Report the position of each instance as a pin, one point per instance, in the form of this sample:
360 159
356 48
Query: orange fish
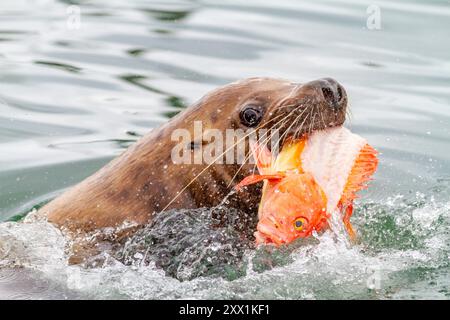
294 206
309 180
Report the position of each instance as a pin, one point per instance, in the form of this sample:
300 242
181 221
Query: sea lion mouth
314 106
298 126
297 133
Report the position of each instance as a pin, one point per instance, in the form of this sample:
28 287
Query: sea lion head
291 108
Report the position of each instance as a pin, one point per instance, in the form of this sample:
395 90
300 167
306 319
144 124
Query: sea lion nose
331 92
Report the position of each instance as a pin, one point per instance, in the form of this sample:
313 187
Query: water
73 98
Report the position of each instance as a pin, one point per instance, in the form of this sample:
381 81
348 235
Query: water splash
403 252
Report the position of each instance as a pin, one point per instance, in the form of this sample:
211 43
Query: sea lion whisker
323 120
301 125
300 128
292 124
271 136
249 154
266 138
273 131
279 138
275 118
206 168
218 157
349 115
287 106
312 123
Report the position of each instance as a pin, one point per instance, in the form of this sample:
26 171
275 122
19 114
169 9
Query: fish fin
351 232
255 178
262 156
364 167
348 226
260 238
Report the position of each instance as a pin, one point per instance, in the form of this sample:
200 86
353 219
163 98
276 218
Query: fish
309 180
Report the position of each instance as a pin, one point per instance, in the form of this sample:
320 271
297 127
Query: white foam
320 270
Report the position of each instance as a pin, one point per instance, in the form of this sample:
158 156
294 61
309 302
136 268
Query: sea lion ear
263 157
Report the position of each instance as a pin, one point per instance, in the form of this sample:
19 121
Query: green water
73 98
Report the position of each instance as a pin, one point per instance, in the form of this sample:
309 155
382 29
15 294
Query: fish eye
299 224
251 115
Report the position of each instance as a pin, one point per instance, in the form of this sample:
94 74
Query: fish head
293 208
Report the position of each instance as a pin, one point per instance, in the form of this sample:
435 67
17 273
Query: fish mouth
267 233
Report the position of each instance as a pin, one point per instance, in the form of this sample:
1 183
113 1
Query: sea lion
144 180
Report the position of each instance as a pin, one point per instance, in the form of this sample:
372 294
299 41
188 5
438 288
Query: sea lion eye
299 224
251 116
